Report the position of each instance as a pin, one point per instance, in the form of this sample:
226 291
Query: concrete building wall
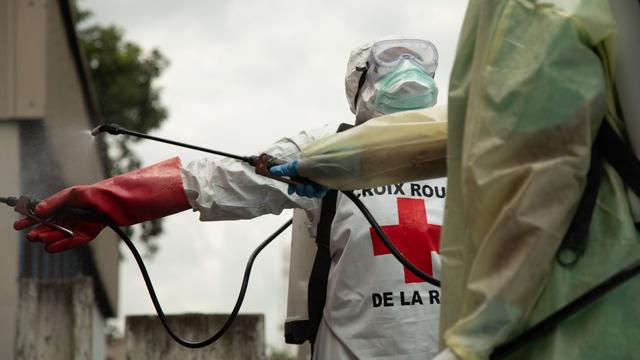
115 349
146 338
22 67
9 184
55 318
98 337
7 59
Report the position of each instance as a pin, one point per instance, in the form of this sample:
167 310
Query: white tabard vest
375 308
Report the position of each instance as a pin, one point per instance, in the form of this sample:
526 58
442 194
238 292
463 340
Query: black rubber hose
248 267
152 292
245 280
419 273
115 129
10 200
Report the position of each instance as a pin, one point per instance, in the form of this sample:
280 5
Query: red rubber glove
144 194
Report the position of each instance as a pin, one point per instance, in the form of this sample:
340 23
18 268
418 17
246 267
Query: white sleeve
228 189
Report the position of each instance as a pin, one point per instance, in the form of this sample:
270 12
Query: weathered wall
9 185
115 349
146 338
22 58
55 319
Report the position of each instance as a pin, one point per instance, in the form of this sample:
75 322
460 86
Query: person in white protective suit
537 91
374 307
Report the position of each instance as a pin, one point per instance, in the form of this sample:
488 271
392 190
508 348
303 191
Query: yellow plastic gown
531 85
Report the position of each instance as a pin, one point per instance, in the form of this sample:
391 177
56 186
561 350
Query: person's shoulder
436 113
304 137
324 130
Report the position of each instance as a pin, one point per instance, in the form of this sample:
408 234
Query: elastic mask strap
363 77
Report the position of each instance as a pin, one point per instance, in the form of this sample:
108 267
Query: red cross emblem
413 236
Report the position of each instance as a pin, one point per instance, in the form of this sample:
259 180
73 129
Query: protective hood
364 110
364 104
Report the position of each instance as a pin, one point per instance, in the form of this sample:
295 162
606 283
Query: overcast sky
242 75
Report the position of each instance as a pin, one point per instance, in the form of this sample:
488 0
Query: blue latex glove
290 169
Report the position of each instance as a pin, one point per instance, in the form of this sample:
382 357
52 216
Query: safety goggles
387 55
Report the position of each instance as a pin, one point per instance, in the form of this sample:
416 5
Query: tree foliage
123 78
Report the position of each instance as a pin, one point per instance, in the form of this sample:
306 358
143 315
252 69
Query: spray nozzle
13 201
112 129
262 163
10 200
25 205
